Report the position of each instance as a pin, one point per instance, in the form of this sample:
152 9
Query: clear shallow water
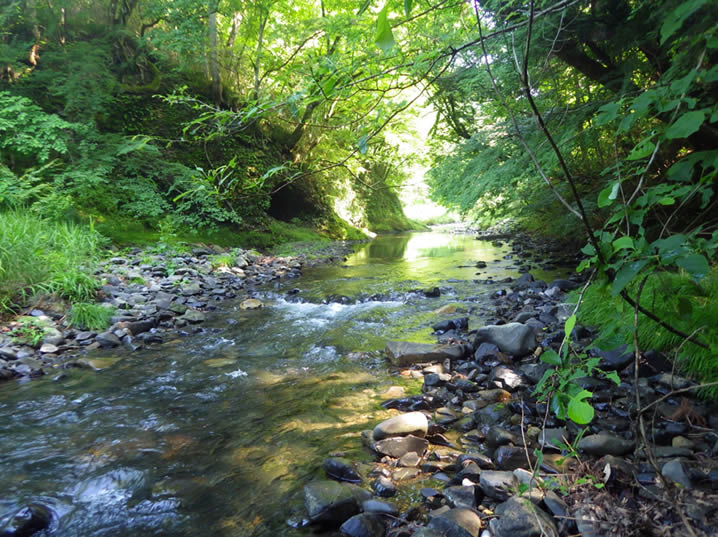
216 433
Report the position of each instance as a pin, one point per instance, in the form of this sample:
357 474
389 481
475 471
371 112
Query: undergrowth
38 255
693 306
87 316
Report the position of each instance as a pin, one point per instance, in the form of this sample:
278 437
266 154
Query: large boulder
402 425
512 338
403 353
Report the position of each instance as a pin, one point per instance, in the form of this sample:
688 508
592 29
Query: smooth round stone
414 423
48 348
99 363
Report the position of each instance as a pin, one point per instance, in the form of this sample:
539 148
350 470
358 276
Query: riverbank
147 295
477 453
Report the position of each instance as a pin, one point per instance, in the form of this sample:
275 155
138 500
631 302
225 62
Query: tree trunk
263 17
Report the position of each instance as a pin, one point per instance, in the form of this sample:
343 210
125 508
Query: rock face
27 521
402 425
403 353
513 338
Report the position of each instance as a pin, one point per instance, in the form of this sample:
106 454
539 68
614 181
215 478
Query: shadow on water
217 433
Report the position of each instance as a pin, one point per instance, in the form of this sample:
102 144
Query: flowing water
216 433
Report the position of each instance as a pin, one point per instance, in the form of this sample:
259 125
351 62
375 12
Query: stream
216 433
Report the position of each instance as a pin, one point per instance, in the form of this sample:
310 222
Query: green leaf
642 150
613 376
551 357
695 264
666 200
579 411
408 4
363 146
384 36
686 125
675 19
623 243
626 273
604 197
364 7
569 325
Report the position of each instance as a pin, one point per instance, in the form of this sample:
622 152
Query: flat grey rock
403 353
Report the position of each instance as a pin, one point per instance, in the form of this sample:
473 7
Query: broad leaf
384 36
695 264
642 150
623 243
613 376
579 411
625 274
550 357
675 19
686 125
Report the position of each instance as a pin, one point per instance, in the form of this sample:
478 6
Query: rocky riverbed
152 295
476 454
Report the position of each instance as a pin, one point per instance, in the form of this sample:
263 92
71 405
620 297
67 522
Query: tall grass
38 255
675 298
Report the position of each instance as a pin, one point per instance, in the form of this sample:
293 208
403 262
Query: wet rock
518 517
251 304
453 324
398 446
330 503
606 444
433 292
340 470
405 474
414 423
497 484
108 340
383 487
48 348
193 316
27 521
403 353
363 525
675 472
456 522
513 338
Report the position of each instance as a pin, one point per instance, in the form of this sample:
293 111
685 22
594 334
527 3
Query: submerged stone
403 353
